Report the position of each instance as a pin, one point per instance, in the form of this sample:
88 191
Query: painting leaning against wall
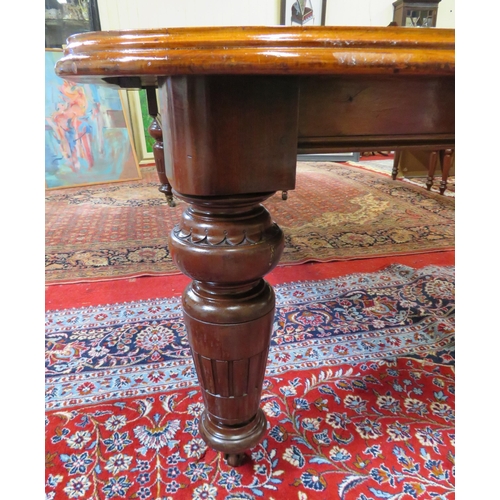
87 140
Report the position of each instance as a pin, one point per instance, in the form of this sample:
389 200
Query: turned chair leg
446 157
431 170
156 133
395 165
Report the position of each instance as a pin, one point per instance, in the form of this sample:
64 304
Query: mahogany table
237 105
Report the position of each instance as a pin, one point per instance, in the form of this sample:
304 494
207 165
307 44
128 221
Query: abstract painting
87 140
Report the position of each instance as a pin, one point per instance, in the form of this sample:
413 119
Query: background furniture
416 14
420 163
420 14
68 18
237 105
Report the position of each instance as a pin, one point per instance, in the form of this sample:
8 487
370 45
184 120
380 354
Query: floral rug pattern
359 397
336 212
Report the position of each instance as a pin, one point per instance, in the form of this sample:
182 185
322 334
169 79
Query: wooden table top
136 57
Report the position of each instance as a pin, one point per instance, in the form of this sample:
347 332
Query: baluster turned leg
446 157
156 133
431 170
220 163
226 245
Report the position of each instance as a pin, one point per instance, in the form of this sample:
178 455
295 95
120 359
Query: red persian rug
359 397
335 213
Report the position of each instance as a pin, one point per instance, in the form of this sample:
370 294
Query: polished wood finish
134 58
229 134
349 113
226 244
237 105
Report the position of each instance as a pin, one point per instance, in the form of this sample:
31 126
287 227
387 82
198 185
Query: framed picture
303 12
87 134
140 121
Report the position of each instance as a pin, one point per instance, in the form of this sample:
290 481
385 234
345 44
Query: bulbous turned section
226 245
155 131
226 240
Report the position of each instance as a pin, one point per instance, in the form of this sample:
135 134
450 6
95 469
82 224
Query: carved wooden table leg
432 169
156 133
219 162
446 156
226 245
236 106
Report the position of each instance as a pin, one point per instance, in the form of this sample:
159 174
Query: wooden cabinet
421 14
63 19
425 163
415 163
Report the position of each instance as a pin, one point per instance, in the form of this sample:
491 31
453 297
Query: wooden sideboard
425 163
237 106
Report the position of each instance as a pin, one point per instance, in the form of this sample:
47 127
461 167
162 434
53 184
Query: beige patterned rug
336 212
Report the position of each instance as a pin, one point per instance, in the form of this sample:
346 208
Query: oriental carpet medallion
359 397
336 212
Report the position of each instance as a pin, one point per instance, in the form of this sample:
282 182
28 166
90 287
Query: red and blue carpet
359 396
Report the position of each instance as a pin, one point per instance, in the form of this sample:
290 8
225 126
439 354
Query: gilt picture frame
140 122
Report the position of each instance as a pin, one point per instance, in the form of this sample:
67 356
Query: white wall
358 12
446 14
378 13
130 14
125 14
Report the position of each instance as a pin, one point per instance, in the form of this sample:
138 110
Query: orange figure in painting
71 127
